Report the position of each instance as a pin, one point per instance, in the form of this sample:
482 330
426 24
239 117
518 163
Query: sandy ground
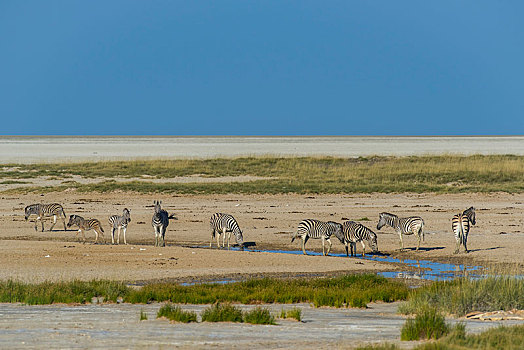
267 220
118 326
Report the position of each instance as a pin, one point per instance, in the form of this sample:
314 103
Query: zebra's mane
389 214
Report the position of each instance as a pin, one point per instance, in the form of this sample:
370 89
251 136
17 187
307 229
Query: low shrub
429 324
222 313
259 315
175 313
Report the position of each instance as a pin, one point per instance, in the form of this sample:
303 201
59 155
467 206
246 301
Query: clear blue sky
262 67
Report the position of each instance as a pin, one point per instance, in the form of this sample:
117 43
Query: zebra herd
348 233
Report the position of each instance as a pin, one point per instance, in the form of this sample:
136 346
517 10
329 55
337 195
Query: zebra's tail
63 213
294 236
172 217
422 229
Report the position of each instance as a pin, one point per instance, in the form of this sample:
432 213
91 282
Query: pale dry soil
268 221
119 327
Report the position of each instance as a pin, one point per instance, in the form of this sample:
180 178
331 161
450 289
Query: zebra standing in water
86 225
119 222
403 226
352 233
460 224
160 222
46 210
225 224
316 229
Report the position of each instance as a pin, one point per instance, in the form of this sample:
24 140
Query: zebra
119 222
403 226
160 222
225 224
460 224
86 225
352 233
45 210
310 228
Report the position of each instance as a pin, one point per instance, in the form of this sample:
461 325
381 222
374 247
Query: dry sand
267 220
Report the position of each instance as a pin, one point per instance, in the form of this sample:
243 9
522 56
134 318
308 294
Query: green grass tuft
259 315
294 313
428 324
222 313
175 313
143 316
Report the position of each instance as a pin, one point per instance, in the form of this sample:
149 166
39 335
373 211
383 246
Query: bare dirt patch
268 221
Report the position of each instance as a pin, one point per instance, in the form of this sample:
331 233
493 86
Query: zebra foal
460 224
160 221
119 222
225 224
403 226
352 233
86 225
45 210
316 229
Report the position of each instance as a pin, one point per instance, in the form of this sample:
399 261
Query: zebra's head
470 212
73 220
157 206
339 232
381 220
127 215
240 238
30 209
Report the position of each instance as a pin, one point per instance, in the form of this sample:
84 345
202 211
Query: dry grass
440 174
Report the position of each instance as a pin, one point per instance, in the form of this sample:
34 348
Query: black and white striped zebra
352 233
46 210
119 222
86 225
460 224
316 229
160 221
403 226
225 224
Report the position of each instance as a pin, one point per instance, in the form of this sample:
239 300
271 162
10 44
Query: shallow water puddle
419 269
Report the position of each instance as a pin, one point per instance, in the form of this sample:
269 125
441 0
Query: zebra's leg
228 239
419 234
163 236
347 251
125 242
224 233
96 236
401 241
42 222
63 221
113 235
363 248
118 237
304 240
36 223
211 240
353 248
54 223
329 248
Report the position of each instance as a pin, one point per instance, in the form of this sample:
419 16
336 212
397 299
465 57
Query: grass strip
222 313
342 291
464 295
439 174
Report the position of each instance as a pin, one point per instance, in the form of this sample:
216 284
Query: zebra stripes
352 233
160 221
86 225
460 224
225 224
316 229
46 210
119 222
403 226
